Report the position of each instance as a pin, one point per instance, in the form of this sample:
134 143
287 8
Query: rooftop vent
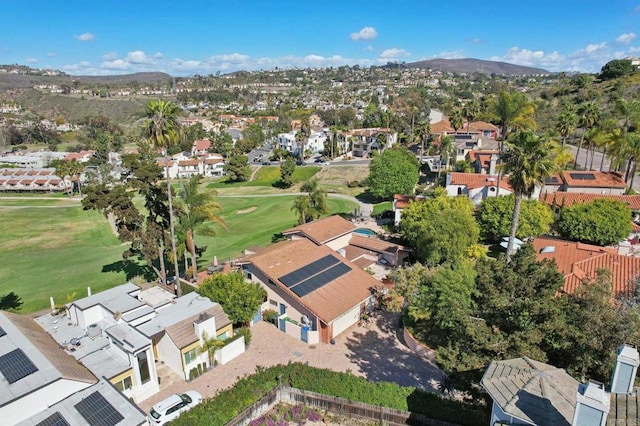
548 249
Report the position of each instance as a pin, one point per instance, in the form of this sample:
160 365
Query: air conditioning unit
93 331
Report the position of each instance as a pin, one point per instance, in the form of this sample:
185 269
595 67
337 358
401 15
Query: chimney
624 372
493 160
592 404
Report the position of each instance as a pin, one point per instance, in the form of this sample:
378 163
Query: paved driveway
376 352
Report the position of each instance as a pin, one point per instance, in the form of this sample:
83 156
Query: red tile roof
322 230
595 179
577 261
443 126
402 201
483 157
213 161
374 244
476 180
570 198
188 163
483 126
202 145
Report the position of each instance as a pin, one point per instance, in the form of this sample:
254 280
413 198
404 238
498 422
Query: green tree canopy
600 222
237 168
495 214
395 171
286 172
239 298
616 68
439 229
312 205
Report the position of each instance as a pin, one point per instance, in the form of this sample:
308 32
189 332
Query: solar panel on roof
2 332
15 365
97 411
301 274
582 176
320 280
55 419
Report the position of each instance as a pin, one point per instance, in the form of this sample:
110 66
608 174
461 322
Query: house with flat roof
119 334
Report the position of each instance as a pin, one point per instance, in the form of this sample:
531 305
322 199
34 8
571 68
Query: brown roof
577 261
188 162
12 181
67 365
475 180
483 157
483 126
597 179
443 126
328 302
402 201
183 333
213 161
162 163
202 144
570 198
322 230
374 244
41 181
32 172
26 181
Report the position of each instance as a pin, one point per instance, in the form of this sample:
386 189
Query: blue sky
94 37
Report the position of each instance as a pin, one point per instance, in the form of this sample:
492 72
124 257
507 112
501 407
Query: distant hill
10 81
470 66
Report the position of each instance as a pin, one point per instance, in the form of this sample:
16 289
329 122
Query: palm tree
312 205
470 111
209 346
512 111
162 130
567 121
456 119
200 211
445 147
422 131
528 161
588 117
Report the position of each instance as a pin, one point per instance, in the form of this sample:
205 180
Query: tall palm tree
422 131
470 111
445 147
512 111
163 130
567 121
456 119
528 161
200 211
589 115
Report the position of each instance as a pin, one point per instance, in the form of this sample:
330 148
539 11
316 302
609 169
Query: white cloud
84 37
138 57
31 60
626 38
314 58
52 54
116 64
366 33
109 56
369 48
393 54
451 54
475 40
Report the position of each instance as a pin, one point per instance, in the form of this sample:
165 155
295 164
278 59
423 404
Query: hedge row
231 402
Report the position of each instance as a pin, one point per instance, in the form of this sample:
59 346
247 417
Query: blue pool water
365 231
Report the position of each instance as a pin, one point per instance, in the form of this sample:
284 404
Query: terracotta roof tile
577 261
476 180
593 179
202 144
570 198
188 163
374 244
483 126
402 201
483 157
443 126
322 230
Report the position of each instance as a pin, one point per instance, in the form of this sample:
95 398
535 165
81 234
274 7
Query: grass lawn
254 221
382 207
53 248
268 176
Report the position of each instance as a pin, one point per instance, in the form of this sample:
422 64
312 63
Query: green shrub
249 389
242 331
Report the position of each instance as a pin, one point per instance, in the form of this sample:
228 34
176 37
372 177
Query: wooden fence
334 405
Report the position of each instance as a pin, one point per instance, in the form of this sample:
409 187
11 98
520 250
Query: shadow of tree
275 238
381 355
367 197
131 270
280 185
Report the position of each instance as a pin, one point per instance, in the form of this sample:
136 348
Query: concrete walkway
376 353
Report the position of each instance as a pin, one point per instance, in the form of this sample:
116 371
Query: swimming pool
366 231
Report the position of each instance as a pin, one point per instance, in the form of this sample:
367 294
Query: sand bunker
245 211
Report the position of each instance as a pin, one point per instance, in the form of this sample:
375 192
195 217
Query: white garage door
346 321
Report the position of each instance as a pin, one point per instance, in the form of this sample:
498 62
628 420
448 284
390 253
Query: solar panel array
582 176
15 365
97 411
315 275
2 332
55 419
315 282
305 272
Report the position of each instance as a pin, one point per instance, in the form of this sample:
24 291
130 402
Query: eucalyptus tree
528 160
163 131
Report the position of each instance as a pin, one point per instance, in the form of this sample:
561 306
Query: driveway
376 353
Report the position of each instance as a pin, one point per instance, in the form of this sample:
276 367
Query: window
124 384
143 365
190 356
273 302
223 336
249 276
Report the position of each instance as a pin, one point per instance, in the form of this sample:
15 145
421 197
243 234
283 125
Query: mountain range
470 66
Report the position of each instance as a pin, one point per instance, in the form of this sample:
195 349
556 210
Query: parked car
170 408
300 163
266 163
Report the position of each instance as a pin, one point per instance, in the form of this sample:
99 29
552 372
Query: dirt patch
249 210
341 175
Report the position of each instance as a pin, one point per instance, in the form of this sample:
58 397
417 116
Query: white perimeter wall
230 351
